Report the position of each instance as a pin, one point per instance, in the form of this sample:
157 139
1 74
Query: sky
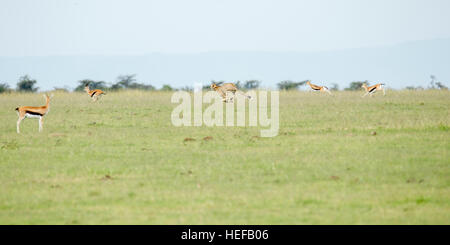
131 27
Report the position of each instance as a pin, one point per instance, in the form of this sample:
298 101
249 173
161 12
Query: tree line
124 82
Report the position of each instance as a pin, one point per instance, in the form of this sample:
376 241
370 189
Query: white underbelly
32 116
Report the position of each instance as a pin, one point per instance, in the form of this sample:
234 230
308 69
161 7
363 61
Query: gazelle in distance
318 88
227 87
34 112
95 94
372 89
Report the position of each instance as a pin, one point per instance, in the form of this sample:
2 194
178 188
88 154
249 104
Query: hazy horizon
232 51
407 64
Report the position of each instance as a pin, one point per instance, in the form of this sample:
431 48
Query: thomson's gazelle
95 94
372 89
228 87
34 112
318 88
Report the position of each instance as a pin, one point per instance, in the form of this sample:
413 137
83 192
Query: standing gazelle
95 94
34 112
318 88
372 89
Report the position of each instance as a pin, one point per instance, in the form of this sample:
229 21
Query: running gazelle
34 112
228 87
318 88
372 89
95 94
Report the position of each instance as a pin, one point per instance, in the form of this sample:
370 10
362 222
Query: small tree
441 86
432 82
435 84
187 89
26 84
166 87
355 85
124 81
289 85
334 87
129 82
4 87
251 84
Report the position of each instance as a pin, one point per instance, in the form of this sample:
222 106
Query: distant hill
398 66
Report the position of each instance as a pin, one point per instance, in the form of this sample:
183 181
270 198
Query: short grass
120 161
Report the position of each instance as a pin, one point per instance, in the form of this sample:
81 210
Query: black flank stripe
316 88
93 93
34 113
373 89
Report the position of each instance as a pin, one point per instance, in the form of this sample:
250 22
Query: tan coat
33 112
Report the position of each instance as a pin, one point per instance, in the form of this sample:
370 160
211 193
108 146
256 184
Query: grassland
120 161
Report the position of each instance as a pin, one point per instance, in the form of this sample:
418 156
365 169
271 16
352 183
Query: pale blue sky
130 27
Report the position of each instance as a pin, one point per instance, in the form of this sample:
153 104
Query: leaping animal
318 88
372 89
95 94
227 87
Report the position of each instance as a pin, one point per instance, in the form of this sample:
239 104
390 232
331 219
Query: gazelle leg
365 94
18 124
242 93
41 122
223 95
384 92
229 97
234 95
224 98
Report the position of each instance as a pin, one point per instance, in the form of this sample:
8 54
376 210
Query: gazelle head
308 82
86 87
364 85
48 98
214 86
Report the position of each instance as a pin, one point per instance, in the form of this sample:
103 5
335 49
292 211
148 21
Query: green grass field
120 161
